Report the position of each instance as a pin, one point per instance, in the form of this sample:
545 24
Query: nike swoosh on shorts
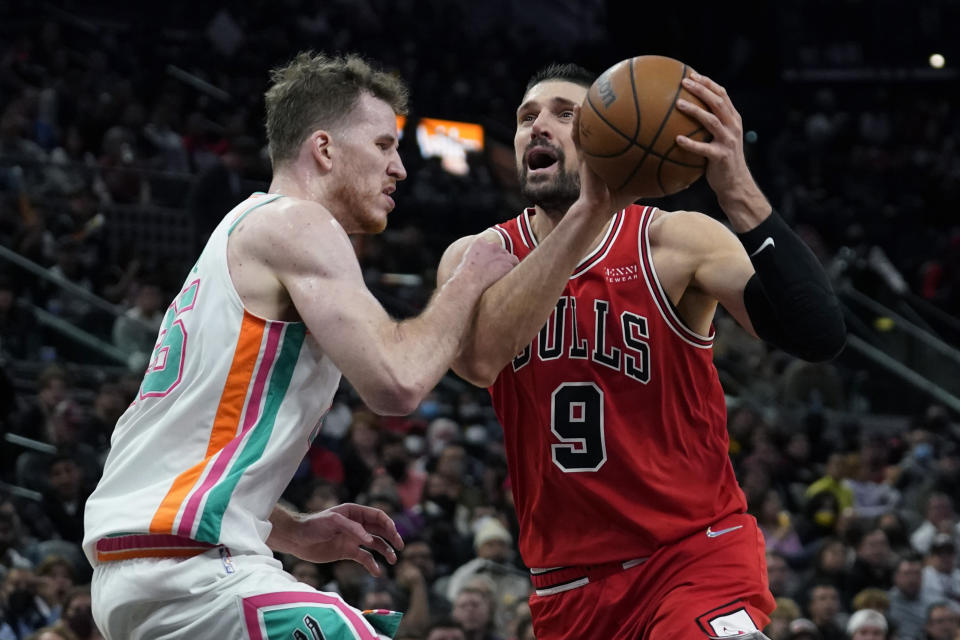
714 534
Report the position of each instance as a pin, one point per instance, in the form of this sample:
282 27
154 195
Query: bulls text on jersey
626 350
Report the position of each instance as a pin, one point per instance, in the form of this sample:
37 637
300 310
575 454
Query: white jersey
226 411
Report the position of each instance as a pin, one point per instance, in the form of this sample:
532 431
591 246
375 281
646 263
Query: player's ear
321 148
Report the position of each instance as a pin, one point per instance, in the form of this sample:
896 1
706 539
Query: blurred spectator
361 454
781 578
78 615
942 622
908 606
872 566
13 553
786 612
871 598
378 595
827 498
53 388
60 513
873 494
396 461
894 526
804 629
135 332
941 578
26 611
445 629
57 577
306 572
18 336
824 610
417 552
776 525
525 629
830 566
120 181
350 580
867 624
108 405
940 519
493 545
220 187
473 609
416 597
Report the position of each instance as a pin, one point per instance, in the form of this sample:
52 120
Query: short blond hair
315 91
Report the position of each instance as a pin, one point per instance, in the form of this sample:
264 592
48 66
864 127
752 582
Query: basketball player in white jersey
182 526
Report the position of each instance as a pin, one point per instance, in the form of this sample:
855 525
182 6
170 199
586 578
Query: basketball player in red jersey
597 353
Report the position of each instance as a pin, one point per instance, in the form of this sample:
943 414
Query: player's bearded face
556 190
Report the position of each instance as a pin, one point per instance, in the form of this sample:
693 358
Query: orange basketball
629 123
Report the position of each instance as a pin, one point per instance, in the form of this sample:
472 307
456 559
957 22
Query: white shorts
218 596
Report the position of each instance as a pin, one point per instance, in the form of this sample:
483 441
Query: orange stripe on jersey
225 424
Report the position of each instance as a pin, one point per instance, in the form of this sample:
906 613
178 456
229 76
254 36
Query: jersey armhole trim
505 241
233 294
660 298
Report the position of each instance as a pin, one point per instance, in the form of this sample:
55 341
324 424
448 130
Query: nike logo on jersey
714 534
766 243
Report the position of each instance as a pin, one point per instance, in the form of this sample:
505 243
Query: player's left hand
727 170
341 532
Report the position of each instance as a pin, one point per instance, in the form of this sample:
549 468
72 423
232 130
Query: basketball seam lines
663 123
632 142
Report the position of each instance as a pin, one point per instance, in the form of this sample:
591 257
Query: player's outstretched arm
392 365
512 311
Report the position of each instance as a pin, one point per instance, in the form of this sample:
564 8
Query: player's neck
310 187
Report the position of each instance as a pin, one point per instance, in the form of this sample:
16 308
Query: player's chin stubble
554 194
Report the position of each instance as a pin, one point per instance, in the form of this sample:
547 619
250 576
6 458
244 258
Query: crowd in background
96 126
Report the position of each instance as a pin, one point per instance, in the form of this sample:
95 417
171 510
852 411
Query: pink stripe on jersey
253 604
249 420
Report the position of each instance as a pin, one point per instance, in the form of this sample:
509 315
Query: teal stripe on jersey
216 506
244 214
283 624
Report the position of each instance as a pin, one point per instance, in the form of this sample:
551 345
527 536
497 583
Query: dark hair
568 72
51 373
315 91
444 623
909 556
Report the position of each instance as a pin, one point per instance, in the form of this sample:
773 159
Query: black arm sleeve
789 299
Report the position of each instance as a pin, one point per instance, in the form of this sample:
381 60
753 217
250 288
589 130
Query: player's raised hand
727 170
594 192
341 532
484 263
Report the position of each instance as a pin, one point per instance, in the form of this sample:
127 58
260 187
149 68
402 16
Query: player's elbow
479 373
395 395
825 343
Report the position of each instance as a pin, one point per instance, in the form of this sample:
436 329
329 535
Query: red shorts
710 584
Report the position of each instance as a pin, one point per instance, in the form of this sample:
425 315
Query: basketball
629 123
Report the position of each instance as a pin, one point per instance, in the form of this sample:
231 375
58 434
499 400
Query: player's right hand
595 195
483 263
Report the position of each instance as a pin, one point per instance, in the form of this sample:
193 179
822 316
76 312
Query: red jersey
614 419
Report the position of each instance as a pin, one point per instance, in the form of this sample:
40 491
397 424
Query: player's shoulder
287 227
289 217
684 228
458 246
